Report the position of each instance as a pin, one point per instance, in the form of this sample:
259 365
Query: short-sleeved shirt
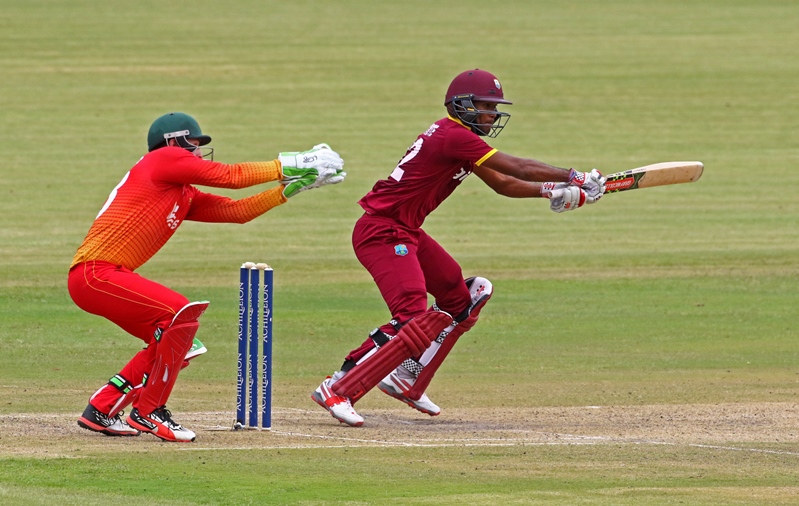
440 159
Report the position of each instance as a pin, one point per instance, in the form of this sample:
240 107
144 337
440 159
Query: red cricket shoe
96 421
160 424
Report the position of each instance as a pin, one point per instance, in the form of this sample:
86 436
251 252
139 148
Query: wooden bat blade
657 174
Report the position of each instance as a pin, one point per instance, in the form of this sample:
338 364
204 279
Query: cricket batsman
140 215
401 357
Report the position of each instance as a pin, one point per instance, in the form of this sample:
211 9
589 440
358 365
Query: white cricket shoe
97 421
338 406
398 388
159 423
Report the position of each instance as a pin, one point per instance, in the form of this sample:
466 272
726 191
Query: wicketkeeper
401 356
139 217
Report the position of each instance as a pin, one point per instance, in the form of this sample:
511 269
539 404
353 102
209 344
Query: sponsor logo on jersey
430 131
172 220
461 175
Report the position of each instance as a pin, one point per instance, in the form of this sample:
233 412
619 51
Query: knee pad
481 290
191 312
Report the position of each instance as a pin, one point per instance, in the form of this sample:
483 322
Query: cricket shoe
96 421
160 424
398 388
197 349
338 406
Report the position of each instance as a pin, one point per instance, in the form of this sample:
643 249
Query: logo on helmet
496 83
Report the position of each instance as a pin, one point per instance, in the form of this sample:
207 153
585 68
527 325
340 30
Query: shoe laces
349 403
166 416
107 420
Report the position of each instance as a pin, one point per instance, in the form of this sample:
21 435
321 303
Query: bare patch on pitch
745 426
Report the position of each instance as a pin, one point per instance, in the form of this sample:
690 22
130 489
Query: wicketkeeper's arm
184 168
211 208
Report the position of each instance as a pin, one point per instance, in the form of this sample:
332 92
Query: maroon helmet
477 86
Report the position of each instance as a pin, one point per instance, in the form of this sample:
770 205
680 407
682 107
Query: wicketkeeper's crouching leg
149 412
409 381
103 413
337 394
126 394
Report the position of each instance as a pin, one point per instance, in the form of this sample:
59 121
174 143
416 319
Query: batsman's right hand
565 199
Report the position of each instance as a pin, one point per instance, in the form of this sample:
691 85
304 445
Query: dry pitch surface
755 427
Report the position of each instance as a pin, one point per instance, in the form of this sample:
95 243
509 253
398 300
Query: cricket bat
657 174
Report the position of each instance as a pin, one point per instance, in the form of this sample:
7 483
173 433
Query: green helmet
175 125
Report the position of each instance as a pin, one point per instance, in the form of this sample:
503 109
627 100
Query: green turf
673 295
493 476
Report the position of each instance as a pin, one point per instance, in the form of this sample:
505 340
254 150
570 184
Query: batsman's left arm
525 169
508 186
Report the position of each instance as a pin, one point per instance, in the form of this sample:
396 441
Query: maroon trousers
406 264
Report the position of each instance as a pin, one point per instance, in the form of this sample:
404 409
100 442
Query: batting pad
169 356
412 339
481 289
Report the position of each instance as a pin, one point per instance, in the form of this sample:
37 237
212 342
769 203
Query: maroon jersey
439 160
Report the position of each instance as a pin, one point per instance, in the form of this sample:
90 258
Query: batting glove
565 199
592 182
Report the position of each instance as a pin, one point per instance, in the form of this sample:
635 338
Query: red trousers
137 305
406 265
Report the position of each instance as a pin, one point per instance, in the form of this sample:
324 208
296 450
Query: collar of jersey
456 120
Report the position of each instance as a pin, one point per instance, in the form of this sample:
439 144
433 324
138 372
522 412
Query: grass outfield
638 352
